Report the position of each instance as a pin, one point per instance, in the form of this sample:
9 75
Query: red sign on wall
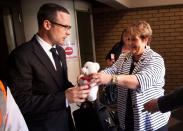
68 50
71 50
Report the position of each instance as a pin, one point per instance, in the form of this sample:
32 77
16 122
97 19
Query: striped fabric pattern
150 72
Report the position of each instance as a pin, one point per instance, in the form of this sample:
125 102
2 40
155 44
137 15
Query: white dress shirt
46 47
15 119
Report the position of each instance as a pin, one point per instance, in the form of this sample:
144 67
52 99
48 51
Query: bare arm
128 81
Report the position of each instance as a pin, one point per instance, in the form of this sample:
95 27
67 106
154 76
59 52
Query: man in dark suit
37 74
166 103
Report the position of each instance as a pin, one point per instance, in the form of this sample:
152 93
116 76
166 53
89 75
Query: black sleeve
116 49
171 101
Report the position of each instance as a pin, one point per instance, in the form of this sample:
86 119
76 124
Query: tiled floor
176 121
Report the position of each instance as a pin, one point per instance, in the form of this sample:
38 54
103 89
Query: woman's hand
101 78
79 77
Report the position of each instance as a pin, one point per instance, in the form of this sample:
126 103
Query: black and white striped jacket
150 72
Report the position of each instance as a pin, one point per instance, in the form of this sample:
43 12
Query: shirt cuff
66 103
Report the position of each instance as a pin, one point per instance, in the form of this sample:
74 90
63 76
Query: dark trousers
129 118
71 124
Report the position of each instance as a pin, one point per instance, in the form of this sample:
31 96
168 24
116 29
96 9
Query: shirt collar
46 46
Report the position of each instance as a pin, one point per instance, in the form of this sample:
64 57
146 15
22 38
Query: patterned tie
56 59
59 68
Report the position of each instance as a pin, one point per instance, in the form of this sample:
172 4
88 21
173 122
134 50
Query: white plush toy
89 68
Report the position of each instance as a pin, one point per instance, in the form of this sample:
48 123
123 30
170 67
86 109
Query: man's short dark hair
48 12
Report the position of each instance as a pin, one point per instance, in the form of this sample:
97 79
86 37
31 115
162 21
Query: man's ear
46 25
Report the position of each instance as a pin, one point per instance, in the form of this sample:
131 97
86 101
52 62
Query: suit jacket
37 89
171 101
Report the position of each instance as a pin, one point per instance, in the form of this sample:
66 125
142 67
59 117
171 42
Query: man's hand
77 94
151 106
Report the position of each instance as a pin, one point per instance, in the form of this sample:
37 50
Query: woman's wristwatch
114 79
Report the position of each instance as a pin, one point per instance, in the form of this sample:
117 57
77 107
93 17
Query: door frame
92 33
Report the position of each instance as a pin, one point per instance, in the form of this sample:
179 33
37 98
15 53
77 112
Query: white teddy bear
89 68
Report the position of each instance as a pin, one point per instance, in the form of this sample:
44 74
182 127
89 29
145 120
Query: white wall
30 9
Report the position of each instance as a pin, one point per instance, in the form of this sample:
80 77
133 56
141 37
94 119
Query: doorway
7 40
11 32
87 51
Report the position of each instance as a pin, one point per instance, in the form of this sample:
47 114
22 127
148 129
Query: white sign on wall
71 50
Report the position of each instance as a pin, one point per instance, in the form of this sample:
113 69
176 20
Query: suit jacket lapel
45 60
62 56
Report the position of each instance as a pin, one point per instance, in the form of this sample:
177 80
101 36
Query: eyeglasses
67 27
